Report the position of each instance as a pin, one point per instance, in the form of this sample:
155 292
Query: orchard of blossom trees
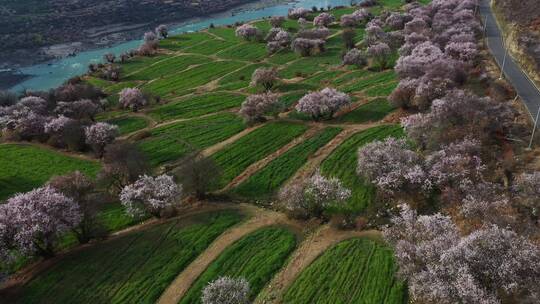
63 118
479 248
32 223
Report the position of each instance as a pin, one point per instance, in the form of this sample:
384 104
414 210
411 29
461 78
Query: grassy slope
236 157
171 142
354 271
129 124
196 106
24 167
342 164
135 268
268 180
255 257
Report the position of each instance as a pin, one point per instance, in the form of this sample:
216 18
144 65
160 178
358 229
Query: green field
134 268
167 67
236 157
196 106
182 83
372 111
256 257
129 124
343 161
171 142
25 167
354 271
268 180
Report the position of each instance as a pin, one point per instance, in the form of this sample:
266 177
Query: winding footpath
524 86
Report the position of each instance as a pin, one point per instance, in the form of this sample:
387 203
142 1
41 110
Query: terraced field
354 271
202 79
268 180
197 106
171 142
342 164
256 257
24 167
134 268
235 158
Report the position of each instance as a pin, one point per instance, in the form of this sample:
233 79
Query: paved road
523 85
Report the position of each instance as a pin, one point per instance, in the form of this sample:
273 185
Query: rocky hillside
27 26
521 20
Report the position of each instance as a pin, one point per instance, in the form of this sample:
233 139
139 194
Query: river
52 74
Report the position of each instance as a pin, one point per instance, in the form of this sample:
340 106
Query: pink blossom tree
226 290
316 33
150 195
36 104
39 218
441 266
323 20
299 12
457 165
280 40
100 135
255 106
248 32
465 52
57 125
393 167
306 47
355 57
374 35
80 109
81 190
277 21
348 21
457 115
163 31
303 23
150 44
21 122
265 77
526 190
132 98
313 196
323 104
380 54
396 21
109 57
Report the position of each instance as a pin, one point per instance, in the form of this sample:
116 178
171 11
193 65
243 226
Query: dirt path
312 247
265 161
261 218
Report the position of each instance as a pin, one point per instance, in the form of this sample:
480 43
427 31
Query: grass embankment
255 257
171 142
264 183
354 271
236 157
343 161
25 167
135 268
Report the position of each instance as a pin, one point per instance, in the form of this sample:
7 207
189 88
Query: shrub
226 290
